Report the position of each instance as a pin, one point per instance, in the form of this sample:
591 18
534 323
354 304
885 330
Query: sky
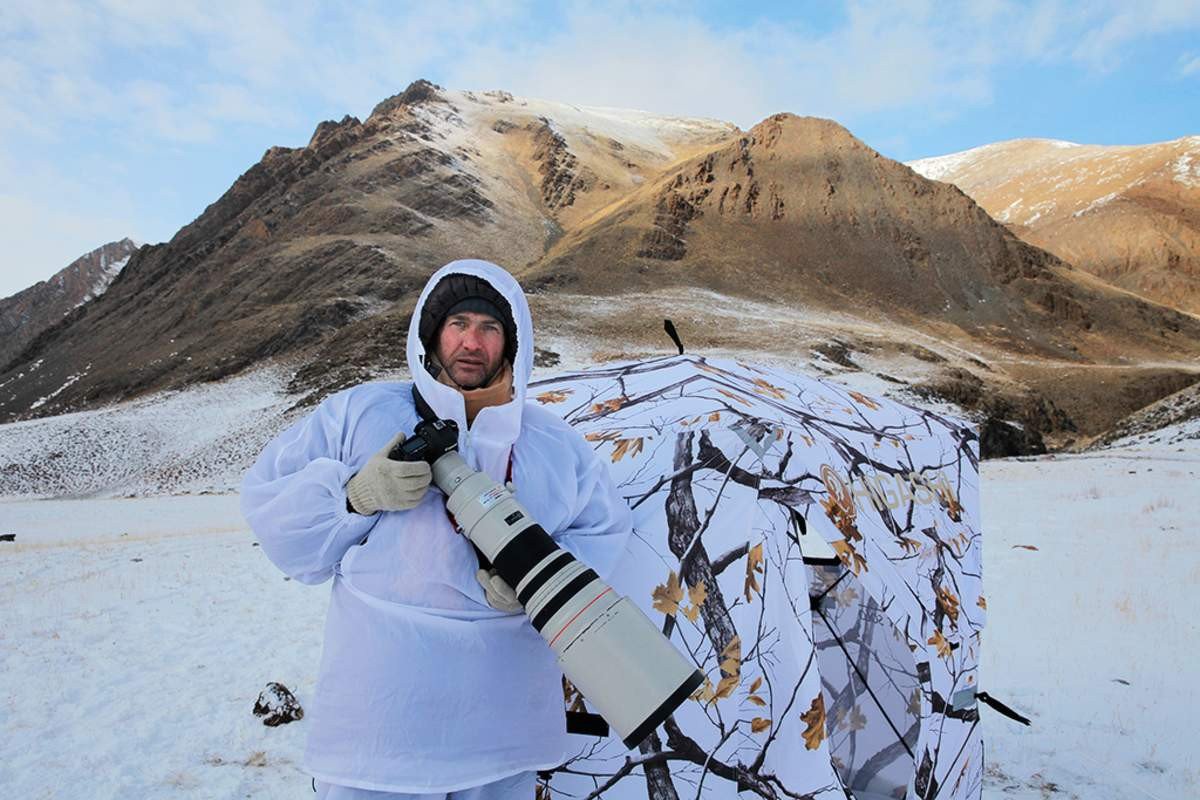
128 117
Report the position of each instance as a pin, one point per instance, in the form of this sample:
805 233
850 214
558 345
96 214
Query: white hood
487 445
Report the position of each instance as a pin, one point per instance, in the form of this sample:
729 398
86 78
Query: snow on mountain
27 313
1130 214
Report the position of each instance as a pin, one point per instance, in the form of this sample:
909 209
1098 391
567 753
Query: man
432 682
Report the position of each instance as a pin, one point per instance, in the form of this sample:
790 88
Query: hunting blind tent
817 552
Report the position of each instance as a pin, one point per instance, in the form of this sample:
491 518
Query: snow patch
41 401
1097 203
199 439
1186 170
107 275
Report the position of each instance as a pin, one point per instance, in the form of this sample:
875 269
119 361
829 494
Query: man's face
470 346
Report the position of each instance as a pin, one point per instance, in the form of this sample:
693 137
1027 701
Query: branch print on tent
816 553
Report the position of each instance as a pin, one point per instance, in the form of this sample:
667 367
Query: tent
817 553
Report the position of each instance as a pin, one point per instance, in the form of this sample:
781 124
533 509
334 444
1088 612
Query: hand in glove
386 485
500 595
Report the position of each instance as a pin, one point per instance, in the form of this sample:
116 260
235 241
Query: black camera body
431 440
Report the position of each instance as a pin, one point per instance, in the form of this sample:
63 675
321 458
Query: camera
605 645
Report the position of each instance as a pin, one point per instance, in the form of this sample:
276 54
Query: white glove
386 485
500 595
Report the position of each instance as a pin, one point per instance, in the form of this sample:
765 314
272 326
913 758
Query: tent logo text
887 490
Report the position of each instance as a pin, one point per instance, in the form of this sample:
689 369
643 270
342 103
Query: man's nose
471 339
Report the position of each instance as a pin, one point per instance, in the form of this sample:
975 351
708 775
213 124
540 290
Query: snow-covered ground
138 633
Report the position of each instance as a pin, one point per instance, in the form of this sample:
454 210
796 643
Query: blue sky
128 117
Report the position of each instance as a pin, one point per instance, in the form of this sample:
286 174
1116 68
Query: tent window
870 683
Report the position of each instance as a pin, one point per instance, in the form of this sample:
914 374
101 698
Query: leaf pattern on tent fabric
857 720
735 397
603 436
667 597
939 641
754 698
623 446
863 400
982 602
839 507
767 390
754 564
758 724
949 604
814 720
559 396
909 546
696 595
950 503
609 405
850 557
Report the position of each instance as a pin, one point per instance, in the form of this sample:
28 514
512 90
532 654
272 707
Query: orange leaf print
939 641
758 724
696 595
726 686
814 720
623 446
609 405
754 563
666 598
863 400
557 396
949 604
736 398
766 389
849 556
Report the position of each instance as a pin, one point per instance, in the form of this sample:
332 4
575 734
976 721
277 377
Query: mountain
770 242
27 313
1130 215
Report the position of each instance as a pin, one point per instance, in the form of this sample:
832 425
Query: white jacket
423 686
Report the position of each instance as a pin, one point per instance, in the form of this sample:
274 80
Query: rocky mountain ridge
612 219
27 313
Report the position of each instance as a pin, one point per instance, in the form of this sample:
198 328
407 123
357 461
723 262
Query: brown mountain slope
320 240
799 211
29 312
1130 215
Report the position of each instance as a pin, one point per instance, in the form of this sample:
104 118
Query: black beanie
456 293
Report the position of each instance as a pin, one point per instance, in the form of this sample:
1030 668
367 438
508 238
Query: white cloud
1189 65
1116 24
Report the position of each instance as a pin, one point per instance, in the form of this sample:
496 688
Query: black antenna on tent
669 327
